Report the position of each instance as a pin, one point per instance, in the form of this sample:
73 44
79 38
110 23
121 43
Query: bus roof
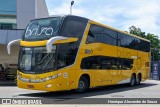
94 22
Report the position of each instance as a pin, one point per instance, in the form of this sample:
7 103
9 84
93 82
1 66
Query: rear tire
83 85
133 81
138 80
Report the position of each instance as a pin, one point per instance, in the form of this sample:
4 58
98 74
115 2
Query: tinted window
101 35
122 40
73 28
147 46
42 29
135 43
129 40
127 64
96 29
108 63
95 34
109 37
6 26
91 37
90 63
144 46
36 60
66 54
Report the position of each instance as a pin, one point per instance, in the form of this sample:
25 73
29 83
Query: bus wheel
138 80
83 84
133 80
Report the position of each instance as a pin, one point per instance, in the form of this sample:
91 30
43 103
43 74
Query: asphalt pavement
147 89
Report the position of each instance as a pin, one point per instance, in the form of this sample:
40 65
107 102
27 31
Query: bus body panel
69 76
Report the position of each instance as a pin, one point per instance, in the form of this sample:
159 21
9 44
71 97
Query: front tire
133 81
83 85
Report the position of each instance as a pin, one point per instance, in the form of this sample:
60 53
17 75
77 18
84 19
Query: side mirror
11 43
58 40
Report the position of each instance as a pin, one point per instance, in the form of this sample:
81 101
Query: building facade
8 14
14 17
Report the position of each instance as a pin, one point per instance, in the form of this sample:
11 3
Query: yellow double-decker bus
71 52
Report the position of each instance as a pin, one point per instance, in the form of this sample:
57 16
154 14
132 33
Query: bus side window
109 37
73 28
90 63
127 64
95 34
105 63
67 52
90 37
122 40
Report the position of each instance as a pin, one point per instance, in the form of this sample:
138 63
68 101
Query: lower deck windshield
36 60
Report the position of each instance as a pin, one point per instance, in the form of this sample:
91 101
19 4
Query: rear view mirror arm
11 43
52 40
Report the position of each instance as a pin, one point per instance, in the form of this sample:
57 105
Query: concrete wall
42 10
25 12
10 59
28 10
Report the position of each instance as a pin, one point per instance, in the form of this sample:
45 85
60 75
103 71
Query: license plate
30 86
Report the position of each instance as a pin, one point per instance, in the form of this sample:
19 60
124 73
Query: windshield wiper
48 63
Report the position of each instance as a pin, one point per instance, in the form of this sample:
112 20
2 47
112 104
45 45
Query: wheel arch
87 76
134 75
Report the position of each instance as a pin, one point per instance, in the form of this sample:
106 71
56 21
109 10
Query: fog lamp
48 85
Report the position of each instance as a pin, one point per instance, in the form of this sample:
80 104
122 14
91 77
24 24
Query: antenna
72 2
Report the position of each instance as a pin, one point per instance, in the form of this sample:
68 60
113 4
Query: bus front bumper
45 86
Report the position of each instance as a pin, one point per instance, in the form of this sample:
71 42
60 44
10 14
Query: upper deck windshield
42 29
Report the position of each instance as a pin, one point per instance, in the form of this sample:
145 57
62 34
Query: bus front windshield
36 60
42 29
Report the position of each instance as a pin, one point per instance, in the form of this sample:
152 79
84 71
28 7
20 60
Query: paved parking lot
147 89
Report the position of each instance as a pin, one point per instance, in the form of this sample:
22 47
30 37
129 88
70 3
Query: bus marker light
59 84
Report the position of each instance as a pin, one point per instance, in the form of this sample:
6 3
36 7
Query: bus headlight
54 76
48 78
38 80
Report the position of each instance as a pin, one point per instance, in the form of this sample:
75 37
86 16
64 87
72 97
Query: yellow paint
66 40
97 77
43 43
